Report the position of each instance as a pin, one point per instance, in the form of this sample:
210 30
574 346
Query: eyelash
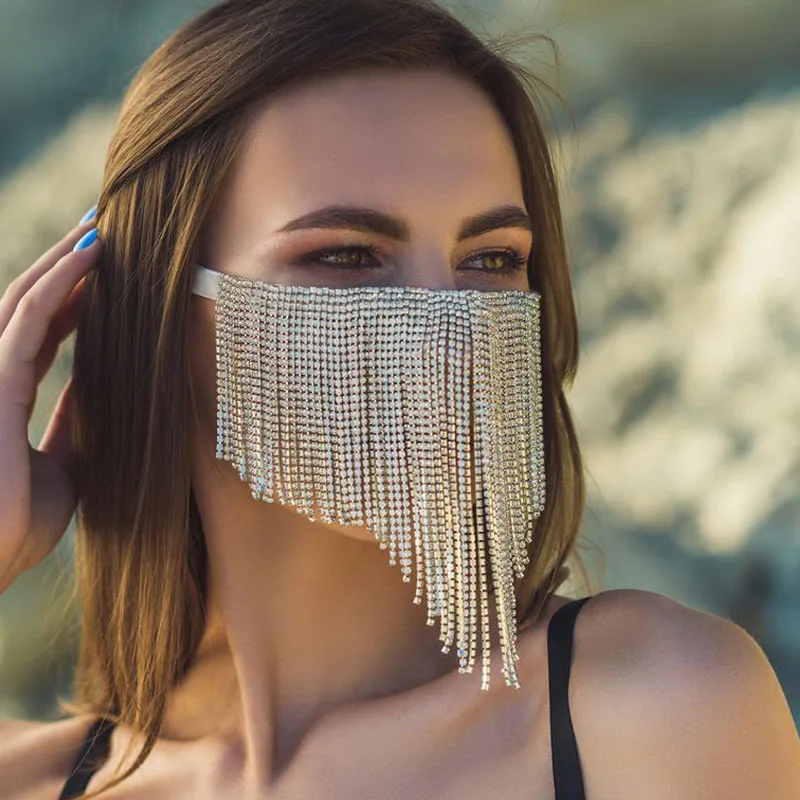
517 260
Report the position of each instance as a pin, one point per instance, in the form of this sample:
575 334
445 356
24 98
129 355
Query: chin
358 532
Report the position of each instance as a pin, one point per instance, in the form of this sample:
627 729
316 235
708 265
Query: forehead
397 139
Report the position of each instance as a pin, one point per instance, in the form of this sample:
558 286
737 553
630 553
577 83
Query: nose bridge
428 266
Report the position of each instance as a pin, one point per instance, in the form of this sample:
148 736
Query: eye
367 256
514 261
349 258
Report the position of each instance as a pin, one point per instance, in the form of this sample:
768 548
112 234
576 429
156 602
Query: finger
62 324
25 281
57 440
27 329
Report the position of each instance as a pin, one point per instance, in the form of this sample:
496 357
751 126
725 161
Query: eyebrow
369 220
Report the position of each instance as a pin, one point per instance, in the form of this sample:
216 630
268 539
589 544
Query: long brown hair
177 135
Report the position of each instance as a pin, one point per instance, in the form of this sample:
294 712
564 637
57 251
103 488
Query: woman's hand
37 312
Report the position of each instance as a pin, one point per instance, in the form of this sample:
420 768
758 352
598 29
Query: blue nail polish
86 240
89 215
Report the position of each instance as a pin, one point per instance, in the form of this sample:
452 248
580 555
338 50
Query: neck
304 620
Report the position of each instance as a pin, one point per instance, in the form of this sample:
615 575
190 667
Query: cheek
202 362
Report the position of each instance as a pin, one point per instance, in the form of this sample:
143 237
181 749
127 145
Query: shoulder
35 756
671 701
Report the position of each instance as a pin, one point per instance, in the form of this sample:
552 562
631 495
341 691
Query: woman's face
425 178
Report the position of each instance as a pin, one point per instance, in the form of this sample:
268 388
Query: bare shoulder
36 756
670 701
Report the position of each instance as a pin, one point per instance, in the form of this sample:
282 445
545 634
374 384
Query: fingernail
86 240
88 215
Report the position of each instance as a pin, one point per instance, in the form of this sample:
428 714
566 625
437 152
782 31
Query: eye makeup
515 261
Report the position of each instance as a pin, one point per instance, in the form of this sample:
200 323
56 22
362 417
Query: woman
240 648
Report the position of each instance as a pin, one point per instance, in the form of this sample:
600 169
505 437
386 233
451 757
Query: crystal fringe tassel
375 407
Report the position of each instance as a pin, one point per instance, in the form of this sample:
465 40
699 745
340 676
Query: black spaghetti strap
566 763
94 751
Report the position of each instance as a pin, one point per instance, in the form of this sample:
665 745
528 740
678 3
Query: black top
93 752
567 775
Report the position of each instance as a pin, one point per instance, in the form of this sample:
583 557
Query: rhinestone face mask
414 412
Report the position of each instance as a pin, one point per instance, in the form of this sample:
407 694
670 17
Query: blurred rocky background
680 168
